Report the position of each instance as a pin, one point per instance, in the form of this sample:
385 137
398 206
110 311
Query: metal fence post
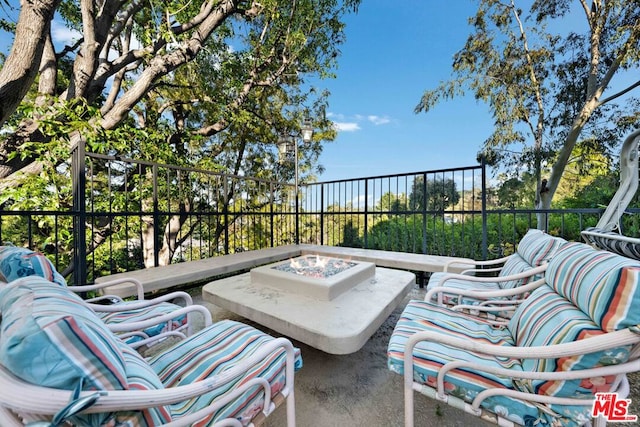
424 214
272 199
484 208
157 244
366 213
78 160
225 212
322 214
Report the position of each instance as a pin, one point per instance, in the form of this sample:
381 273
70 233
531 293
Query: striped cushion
430 356
603 285
141 376
18 262
515 265
457 283
613 242
537 247
546 318
215 350
50 337
534 249
138 314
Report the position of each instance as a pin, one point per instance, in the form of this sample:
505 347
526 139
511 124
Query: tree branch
620 93
21 66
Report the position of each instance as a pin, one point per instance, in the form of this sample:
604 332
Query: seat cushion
464 383
546 318
605 286
215 350
16 262
50 337
139 314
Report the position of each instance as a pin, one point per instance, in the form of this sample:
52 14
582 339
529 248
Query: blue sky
393 53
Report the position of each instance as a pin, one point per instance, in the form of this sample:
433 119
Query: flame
320 262
295 264
315 265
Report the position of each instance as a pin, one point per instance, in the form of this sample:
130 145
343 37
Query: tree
211 84
548 91
437 195
392 203
22 65
514 192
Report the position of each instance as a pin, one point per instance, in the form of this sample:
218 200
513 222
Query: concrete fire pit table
330 304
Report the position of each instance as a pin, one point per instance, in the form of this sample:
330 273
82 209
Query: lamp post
286 145
307 134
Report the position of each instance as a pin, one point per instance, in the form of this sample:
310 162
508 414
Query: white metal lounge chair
146 321
140 322
607 232
576 336
502 282
58 361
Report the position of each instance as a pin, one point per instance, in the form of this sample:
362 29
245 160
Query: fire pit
331 304
318 277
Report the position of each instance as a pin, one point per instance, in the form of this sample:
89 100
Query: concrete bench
398 260
169 276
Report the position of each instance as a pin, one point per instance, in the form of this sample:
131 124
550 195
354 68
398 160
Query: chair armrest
476 263
497 279
556 351
132 305
163 318
95 286
484 294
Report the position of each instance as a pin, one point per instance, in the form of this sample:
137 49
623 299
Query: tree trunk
21 67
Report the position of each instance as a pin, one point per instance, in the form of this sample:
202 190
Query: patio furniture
58 361
501 282
140 322
607 234
573 337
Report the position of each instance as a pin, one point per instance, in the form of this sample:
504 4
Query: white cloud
378 120
64 35
346 126
359 202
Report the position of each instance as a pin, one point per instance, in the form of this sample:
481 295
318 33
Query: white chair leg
599 421
291 410
408 401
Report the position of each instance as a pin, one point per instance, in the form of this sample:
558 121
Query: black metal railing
129 214
406 212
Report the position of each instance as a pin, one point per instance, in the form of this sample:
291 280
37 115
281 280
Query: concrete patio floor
355 389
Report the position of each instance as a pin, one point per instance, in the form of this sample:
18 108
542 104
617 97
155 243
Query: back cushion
18 262
546 318
605 286
515 265
49 337
537 247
